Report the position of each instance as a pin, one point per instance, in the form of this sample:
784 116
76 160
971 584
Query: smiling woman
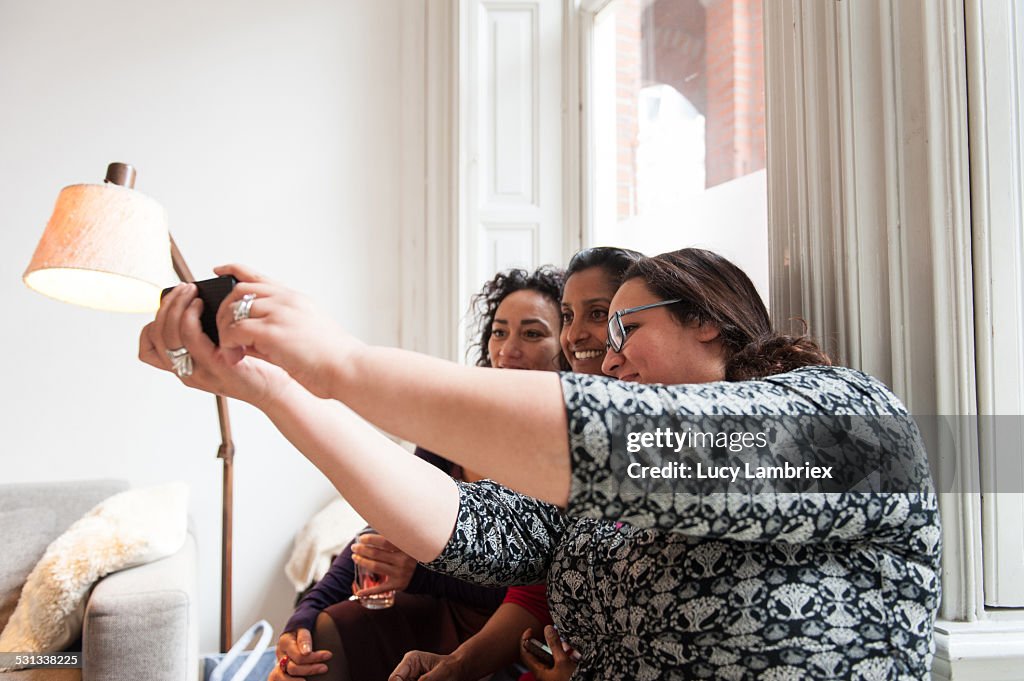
652 345
722 317
591 280
524 333
517 314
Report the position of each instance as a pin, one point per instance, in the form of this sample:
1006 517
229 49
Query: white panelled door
511 145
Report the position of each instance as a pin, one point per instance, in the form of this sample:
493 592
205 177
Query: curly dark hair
546 280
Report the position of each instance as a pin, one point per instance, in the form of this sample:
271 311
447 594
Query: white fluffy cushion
26 533
322 538
125 530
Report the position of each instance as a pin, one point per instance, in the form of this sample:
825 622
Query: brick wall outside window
711 51
628 70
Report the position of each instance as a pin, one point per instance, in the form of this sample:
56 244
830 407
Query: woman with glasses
517 320
716 580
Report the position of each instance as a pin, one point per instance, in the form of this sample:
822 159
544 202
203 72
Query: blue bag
239 664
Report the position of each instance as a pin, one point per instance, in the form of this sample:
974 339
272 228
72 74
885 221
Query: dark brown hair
545 280
715 291
614 262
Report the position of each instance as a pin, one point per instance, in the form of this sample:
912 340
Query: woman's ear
708 332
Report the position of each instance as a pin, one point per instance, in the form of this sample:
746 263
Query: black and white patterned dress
748 585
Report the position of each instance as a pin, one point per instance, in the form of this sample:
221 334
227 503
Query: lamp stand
124 175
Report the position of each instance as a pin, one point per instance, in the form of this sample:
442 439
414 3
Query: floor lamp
106 247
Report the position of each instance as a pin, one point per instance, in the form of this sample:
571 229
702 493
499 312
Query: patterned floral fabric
773 586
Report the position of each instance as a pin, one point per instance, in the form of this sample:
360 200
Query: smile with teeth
587 354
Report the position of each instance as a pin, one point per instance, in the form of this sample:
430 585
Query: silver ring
244 306
181 362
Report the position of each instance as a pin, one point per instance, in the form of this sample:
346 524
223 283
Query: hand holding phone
539 650
212 292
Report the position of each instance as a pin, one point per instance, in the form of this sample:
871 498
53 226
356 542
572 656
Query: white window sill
988 650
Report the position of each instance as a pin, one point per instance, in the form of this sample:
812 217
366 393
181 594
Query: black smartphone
540 651
212 292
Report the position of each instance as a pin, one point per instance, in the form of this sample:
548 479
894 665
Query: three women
684 585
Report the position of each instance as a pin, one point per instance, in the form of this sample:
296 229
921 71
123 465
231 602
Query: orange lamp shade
106 247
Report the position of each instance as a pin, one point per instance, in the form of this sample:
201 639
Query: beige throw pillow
125 530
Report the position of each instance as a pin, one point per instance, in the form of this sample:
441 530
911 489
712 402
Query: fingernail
305 649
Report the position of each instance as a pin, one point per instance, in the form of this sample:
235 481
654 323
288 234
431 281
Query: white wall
269 132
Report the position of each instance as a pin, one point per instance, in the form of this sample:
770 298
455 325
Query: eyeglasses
617 332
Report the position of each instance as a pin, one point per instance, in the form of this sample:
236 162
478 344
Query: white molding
468 160
584 78
978 651
573 163
593 6
495 15
868 225
521 237
442 178
411 246
995 60
429 190
801 107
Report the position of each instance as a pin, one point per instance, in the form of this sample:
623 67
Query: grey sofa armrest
143 623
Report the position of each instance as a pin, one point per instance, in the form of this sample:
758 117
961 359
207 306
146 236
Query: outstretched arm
403 497
511 425
507 425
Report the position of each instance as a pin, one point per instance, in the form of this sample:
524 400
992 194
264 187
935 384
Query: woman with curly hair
518 321
531 294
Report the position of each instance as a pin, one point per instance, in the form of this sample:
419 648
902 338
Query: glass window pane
677 129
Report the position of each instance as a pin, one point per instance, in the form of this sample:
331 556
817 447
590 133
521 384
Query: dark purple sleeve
335 587
426 581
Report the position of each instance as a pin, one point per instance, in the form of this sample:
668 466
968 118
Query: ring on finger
284 665
181 362
244 307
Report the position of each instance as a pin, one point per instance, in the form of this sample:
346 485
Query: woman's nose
511 348
577 332
612 362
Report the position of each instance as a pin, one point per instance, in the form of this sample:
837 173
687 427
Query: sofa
140 623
